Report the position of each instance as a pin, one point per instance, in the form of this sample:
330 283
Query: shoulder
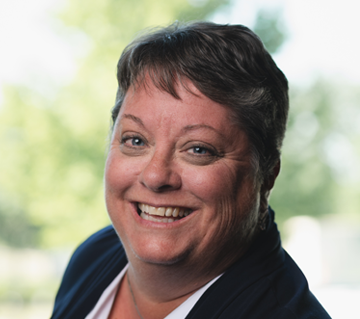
92 251
92 267
290 291
264 283
100 244
285 294
281 294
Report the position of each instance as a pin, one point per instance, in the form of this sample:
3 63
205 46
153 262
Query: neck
161 283
160 288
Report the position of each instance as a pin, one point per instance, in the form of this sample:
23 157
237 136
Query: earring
263 220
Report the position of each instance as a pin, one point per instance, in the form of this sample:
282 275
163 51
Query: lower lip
158 219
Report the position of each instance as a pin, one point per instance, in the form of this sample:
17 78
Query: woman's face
179 180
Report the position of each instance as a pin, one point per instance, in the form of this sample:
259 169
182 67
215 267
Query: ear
270 180
266 187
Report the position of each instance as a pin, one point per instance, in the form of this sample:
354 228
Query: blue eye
135 141
132 141
200 150
201 154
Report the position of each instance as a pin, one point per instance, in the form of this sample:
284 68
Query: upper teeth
163 211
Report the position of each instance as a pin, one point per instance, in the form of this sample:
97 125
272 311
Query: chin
158 254
161 260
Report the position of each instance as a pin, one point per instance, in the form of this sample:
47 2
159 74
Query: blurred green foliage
321 152
270 28
53 147
305 186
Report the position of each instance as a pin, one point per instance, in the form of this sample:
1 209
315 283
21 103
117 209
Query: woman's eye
200 150
133 141
201 155
137 142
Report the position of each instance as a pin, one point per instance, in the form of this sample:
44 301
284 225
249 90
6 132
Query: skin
180 153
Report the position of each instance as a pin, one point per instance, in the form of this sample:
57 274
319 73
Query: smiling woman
199 121
179 155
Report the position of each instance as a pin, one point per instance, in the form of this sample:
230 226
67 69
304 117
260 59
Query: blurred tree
304 185
15 227
309 179
53 146
320 153
270 28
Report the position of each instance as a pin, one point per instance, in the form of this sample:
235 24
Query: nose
160 174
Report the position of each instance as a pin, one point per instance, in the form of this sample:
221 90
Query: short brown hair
226 63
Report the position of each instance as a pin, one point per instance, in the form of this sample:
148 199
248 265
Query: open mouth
162 214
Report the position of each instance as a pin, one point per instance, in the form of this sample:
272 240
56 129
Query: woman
199 121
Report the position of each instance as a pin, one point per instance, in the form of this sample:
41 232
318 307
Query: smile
162 214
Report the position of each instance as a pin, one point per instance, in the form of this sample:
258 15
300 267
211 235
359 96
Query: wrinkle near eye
200 159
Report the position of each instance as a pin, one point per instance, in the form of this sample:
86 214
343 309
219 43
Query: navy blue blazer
263 284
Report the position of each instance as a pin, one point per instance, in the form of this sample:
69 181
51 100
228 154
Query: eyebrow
199 126
187 128
134 118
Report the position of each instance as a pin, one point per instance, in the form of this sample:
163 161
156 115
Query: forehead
146 100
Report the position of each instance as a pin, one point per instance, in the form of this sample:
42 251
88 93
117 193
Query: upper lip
162 205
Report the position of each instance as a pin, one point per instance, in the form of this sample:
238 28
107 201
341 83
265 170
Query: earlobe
266 187
272 177
269 181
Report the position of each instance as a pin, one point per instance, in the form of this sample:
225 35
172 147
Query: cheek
229 196
210 184
215 188
119 175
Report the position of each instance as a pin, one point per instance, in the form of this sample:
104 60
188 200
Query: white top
103 306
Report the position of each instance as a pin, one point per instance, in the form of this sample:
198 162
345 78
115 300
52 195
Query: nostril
164 188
